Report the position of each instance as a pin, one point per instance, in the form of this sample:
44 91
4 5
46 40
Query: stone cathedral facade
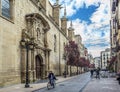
26 19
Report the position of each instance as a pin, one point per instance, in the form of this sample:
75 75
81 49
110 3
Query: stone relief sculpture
40 36
38 27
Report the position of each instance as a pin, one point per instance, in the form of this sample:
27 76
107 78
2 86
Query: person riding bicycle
51 78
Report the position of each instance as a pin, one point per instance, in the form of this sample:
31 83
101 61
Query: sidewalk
33 86
102 85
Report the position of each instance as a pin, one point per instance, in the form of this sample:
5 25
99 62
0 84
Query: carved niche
39 33
37 27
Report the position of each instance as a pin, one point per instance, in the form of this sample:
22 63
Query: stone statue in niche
40 36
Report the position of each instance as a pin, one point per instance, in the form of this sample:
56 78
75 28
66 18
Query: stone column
46 63
23 64
43 72
29 65
34 65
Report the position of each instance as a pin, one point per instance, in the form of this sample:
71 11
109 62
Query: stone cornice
34 16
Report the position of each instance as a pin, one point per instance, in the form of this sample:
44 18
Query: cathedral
32 37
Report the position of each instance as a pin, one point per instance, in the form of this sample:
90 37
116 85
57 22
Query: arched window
55 43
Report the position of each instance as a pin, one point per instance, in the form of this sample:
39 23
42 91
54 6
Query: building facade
91 59
33 38
115 33
97 62
37 23
105 57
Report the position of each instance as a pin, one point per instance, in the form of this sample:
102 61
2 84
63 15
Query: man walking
98 73
91 71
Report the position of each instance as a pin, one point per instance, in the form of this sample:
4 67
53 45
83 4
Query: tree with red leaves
73 54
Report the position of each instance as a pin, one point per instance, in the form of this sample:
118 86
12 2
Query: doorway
39 67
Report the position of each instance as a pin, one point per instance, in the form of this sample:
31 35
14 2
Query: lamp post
28 44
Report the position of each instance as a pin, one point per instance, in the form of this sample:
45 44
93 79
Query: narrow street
73 85
83 83
74 42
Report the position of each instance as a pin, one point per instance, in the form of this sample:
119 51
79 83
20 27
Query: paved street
73 85
80 83
102 85
61 83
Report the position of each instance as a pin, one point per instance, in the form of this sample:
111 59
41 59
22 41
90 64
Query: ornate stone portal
37 28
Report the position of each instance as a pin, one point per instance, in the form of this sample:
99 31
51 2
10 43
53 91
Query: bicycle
51 85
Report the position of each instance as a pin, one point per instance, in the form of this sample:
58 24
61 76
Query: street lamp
28 44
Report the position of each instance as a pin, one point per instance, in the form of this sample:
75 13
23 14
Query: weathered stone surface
12 57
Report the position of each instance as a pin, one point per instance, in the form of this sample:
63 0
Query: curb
56 83
84 86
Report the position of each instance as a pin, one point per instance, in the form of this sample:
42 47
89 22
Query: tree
73 54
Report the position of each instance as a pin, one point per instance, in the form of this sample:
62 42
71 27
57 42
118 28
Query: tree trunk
77 70
70 70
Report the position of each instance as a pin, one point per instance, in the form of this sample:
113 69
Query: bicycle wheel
48 86
54 84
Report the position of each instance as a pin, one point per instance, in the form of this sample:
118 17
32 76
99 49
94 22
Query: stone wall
10 37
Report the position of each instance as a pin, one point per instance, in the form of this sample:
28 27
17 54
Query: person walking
91 72
98 73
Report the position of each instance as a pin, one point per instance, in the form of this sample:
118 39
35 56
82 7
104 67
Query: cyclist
51 78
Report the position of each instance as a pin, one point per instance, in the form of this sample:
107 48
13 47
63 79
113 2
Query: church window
55 43
6 9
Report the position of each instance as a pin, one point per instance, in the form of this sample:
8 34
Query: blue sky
90 20
84 13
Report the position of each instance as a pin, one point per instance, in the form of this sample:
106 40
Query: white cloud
91 33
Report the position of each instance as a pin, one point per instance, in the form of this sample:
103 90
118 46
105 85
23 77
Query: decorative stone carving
39 28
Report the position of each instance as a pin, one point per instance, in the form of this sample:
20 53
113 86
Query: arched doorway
39 67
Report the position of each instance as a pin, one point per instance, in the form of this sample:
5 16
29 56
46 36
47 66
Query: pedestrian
91 72
51 78
98 73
